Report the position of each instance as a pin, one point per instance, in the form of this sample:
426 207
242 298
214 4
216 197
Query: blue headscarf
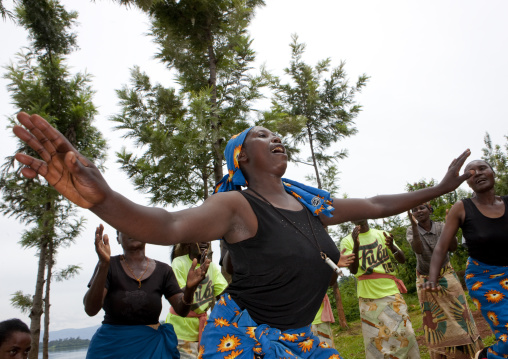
316 200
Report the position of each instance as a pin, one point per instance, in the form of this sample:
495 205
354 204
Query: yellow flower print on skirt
232 334
491 298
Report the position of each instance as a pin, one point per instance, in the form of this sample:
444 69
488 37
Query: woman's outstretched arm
453 221
351 209
79 180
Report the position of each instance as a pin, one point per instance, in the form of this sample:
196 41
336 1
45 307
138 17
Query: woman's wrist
185 302
188 295
432 279
103 263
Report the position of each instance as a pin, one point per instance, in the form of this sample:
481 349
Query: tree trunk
336 291
49 265
314 162
204 178
36 312
340 308
215 120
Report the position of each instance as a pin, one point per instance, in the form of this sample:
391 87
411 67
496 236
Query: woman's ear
242 156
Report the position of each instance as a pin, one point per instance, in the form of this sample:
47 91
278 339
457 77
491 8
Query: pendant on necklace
331 264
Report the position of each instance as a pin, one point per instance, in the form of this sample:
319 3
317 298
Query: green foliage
314 109
69 108
48 24
498 159
64 274
205 39
41 83
440 206
21 301
406 271
5 13
182 133
68 344
347 287
175 139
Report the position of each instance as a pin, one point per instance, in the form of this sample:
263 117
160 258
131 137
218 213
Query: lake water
71 354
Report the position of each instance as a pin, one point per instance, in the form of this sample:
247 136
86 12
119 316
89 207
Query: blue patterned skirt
231 333
488 287
133 342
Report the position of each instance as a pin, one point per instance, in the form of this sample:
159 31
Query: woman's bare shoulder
242 217
232 200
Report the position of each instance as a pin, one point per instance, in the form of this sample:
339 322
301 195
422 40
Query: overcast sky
438 84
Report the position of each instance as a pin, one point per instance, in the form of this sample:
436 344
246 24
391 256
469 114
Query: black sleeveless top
128 304
486 238
279 275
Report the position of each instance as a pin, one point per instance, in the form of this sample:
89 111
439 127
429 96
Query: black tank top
279 275
486 238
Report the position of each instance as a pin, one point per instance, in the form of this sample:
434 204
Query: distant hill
83 333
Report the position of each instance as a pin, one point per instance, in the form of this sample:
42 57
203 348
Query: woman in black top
484 223
262 159
129 288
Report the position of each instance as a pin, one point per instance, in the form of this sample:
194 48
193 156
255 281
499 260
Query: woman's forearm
416 243
94 297
353 267
436 262
182 303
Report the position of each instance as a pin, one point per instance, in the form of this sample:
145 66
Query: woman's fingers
47 135
34 166
29 136
459 161
205 267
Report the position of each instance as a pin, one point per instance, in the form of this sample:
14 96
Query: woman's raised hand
412 218
452 178
196 275
102 245
345 260
72 174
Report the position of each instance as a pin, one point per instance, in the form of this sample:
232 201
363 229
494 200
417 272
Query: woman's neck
427 224
486 198
136 255
275 194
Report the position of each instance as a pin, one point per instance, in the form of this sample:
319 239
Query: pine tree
313 109
4 12
40 83
207 44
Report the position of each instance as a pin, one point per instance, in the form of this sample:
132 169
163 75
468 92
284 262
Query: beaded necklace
132 272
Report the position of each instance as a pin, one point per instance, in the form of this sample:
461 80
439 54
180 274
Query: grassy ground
349 342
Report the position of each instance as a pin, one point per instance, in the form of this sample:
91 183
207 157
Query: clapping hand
412 218
196 275
356 232
345 259
102 245
389 241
